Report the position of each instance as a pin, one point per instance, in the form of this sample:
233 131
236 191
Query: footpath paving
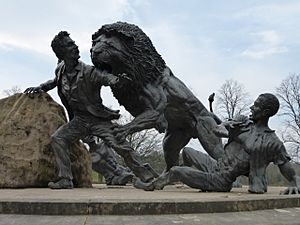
287 216
126 201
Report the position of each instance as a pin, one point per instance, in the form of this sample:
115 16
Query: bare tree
145 142
289 95
232 99
14 90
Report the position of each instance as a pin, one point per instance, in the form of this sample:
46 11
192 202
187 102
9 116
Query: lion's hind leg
174 141
209 141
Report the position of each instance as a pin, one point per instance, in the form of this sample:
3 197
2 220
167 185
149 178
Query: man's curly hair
57 44
270 102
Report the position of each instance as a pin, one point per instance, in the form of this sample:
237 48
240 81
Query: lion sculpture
153 95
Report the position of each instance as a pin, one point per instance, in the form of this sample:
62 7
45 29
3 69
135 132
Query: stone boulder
26 158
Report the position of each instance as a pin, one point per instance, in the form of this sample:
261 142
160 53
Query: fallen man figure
251 147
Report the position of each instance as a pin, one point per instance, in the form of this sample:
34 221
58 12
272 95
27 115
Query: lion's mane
146 65
147 62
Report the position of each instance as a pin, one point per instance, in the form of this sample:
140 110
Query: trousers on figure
80 127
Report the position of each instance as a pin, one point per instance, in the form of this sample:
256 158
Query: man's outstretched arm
50 84
105 78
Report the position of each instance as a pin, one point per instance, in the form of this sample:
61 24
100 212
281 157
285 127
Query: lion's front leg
147 120
155 101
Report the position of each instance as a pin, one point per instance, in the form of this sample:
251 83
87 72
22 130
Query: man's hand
124 76
232 124
290 191
33 90
121 78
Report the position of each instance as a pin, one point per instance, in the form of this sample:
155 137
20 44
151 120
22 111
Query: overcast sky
203 42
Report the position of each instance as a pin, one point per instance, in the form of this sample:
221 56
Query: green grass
97 178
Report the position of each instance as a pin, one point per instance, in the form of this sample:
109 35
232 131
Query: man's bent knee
175 170
187 152
54 138
58 140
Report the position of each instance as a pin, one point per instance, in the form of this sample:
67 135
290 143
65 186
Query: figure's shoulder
271 133
272 139
86 67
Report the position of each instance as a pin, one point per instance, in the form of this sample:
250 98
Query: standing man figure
79 88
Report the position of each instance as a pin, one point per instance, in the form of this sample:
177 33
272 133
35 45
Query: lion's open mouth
102 65
106 66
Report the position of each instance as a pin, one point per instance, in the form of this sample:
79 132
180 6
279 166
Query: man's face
70 49
257 111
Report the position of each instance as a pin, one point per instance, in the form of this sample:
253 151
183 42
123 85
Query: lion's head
124 48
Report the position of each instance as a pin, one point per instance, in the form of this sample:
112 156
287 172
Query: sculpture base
126 200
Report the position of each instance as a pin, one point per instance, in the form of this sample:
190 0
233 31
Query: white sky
203 42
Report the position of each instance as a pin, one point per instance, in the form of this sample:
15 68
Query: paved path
288 216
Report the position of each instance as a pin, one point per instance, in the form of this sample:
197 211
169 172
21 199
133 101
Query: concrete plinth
126 200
